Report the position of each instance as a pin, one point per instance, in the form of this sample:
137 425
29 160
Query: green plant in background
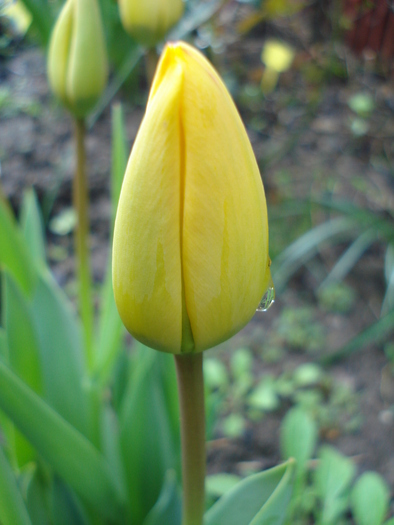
238 396
324 487
360 228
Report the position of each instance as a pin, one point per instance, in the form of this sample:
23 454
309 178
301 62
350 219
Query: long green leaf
375 333
23 351
70 454
32 227
145 435
304 248
61 353
346 262
14 254
168 508
364 218
260 499
12 508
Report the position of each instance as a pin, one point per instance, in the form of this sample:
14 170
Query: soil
303 140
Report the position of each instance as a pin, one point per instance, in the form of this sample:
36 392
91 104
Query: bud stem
191 400
81 206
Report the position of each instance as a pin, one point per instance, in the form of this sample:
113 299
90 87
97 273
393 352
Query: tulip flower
148 21
190 253
77 59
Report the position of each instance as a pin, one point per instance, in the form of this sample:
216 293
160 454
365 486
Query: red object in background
372 26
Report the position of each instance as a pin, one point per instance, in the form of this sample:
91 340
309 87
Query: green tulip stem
191 400
151 60
81 240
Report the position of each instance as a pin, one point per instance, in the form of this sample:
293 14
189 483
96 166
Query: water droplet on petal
268 298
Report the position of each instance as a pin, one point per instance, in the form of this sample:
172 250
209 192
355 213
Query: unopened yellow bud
148 21
77 59
190 254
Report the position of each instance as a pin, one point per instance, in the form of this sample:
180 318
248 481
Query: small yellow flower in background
190 253
77 58
277 57
148 21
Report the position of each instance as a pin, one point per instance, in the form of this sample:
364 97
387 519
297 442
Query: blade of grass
14 253
12 507
304 248
375 333
346 262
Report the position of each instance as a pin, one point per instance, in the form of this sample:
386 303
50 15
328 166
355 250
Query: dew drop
268 298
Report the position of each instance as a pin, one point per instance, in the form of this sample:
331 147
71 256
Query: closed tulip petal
191 236
88 68
147 258
225 226
59 48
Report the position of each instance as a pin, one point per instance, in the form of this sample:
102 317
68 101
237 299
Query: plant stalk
192 413
81 240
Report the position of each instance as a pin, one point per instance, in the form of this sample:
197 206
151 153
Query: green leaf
23 348
66 509
32 227
333 476
37 500
70 454
370 499
168 508
375 333
260 499
12 507
14 254
110 331
61 353
3 345
145 434
23 351
219 484
298 437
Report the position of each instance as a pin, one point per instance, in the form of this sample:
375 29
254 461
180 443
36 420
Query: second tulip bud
77 57
148 21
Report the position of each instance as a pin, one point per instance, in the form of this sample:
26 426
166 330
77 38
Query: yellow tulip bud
148 21
190 253
77 58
